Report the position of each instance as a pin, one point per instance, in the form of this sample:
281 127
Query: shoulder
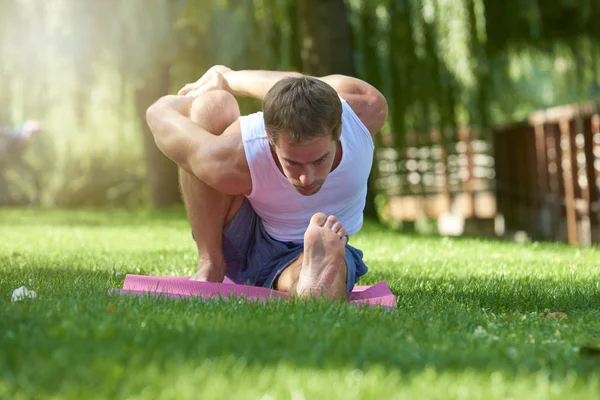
369 106
365 100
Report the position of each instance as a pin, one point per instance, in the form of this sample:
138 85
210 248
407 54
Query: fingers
195 90
191 86
205 84
212 79
186 89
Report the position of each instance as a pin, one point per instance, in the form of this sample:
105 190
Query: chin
310 192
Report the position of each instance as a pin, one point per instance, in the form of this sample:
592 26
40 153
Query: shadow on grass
495 293
75 333
176 217
92 217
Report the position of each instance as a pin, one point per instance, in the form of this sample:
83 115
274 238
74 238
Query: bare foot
324 252
209 271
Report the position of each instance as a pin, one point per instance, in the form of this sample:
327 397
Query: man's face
306 165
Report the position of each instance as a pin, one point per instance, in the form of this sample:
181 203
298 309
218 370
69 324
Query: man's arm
366 101
212 159
254 83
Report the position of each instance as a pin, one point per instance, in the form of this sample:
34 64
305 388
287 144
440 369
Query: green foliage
536 23
440 63
470 320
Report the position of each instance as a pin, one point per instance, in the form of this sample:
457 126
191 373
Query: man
273 196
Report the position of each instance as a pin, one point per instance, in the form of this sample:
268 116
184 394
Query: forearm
254 83
257 83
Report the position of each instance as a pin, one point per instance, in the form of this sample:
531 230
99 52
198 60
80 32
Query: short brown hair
302 107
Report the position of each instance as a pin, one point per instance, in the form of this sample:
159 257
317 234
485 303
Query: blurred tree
144 53
442 64
367 38
162 172
326 38
327 48
143 39
9 32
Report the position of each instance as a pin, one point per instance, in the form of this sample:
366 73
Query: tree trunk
295 43
327 48
5 98
326 37
370 68
161 171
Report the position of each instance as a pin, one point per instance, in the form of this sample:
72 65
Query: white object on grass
451 224
23 293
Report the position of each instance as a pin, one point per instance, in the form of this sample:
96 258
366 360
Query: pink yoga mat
178 287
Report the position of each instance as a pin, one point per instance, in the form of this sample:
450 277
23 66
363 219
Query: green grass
469 324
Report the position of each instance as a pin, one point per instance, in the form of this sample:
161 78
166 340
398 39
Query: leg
208 209
321 269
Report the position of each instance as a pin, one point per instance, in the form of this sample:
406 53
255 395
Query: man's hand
209 273
213 79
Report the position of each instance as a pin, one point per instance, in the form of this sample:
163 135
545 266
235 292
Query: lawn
470 323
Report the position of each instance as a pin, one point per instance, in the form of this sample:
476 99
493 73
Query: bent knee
215 111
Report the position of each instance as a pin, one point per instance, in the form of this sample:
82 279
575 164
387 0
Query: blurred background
493 127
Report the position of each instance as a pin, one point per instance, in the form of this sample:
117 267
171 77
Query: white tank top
286 213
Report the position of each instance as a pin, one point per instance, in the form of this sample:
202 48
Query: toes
331 220
337 226
318 219
342 232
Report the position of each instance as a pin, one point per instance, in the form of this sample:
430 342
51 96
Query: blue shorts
253 257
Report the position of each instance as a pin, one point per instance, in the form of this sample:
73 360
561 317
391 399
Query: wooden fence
428 178
542 176
548 174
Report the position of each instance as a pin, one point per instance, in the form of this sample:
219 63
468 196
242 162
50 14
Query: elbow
376 112
155 118
381 111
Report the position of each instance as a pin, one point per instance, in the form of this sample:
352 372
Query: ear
340 131
269 139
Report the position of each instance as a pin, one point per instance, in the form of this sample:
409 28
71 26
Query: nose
307 177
